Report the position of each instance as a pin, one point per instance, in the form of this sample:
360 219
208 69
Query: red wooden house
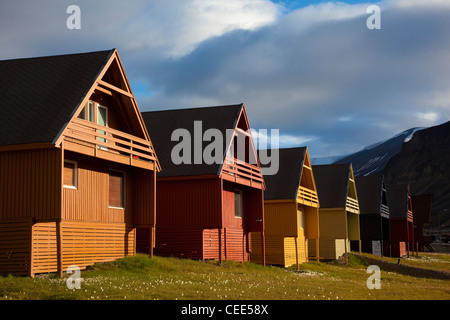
77 167
401 220
206 209
422 212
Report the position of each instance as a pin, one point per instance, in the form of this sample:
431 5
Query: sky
311 69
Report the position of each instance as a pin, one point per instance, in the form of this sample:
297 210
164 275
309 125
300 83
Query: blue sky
311 69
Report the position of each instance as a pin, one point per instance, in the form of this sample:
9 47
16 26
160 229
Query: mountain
423 162
374 158
418 156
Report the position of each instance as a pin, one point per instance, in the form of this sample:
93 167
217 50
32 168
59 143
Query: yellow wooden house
290 210
339 210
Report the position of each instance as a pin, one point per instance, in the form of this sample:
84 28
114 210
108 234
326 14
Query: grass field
161 278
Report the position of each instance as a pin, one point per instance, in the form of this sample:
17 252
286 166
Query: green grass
435 261
169 278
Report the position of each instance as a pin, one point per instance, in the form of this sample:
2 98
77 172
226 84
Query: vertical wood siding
281 218
30 183
333 223
15 247
229 219
189 202
144 197
90 201
311 222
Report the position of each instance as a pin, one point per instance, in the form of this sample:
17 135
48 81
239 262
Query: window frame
75 175
124 191
241 205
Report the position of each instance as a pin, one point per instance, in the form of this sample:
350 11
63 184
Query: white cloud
429 117
316 73
178 27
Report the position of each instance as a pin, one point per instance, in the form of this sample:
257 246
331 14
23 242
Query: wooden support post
220 246
59 248
59 245
31 270
150 241
263 248
296 252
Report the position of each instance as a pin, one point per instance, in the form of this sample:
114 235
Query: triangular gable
241 154
352 196
410 208
112 83
307 191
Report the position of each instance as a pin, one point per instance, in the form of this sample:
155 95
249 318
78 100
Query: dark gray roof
39 95
397 197
370 191
161 125
284 184
332 184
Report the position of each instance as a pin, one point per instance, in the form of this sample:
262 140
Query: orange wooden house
77 167
206 209
291 211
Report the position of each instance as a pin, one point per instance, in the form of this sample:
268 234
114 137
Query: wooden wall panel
90 201
235 245
228 210
353 226
15 244
211 244
274 249
144 197
311 222
30 183
83 244
290 247
254 208
179 241
44 247
86 243
281 218
330 248
189 203
333 223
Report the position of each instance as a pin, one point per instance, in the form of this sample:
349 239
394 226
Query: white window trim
75 169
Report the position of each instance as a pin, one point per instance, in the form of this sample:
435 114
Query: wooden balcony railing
384 211
119 145
241 172
352 205
410 215
308 196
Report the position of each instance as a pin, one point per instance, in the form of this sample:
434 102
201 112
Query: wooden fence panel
84 244
44 247
15 253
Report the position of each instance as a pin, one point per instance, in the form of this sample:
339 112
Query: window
300 218
88 112
70 174
116 189
238 204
